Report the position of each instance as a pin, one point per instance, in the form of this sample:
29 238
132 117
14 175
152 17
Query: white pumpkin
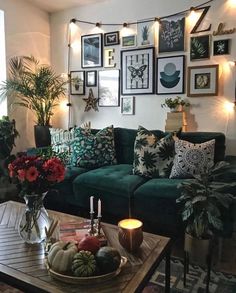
60 256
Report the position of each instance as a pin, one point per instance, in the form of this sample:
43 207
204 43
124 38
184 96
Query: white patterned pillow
191 159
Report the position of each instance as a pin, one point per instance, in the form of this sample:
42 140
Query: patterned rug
195 281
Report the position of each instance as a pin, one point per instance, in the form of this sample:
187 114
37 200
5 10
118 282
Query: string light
98 24
125 24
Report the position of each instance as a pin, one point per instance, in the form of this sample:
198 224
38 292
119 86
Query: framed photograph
170 75
171 34
91 78
203 80
77 86
127 105
109 88
221 47
91 51
128 41
137 71
111 39
200 47
146 33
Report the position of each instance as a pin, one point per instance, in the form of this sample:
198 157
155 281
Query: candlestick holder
99 226
92 229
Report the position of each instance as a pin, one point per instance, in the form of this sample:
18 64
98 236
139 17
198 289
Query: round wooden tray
85 280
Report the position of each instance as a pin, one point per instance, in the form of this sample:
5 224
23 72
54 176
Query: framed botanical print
171 34
127 105
145 33
77 86
109 88
221 47
200 47
112 38
91 50
203 80
170 75
91 78
137 71
128 41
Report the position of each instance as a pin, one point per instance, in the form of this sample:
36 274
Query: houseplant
175 104
204 200
35 175
37 87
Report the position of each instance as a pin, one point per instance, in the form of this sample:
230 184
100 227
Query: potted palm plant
37 87
204 200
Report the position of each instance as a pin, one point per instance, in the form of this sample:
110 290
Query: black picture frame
91 78
200 47
112 38
77 82
92 51
170 75
171 34
221 47
137 71
109 88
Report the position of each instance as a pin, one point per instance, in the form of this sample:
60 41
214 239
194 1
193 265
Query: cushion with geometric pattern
191 158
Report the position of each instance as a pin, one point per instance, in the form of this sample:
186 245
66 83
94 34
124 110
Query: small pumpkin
108 259
60 256
83 264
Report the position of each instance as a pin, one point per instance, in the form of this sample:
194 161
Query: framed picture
127 105
128 41
203 80
91 78
137 71
91 51
221 47
171 75
146 33
200 47
171 34
77 86
111 39
108 88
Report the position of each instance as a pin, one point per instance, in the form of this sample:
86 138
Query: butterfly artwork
111 39
137 73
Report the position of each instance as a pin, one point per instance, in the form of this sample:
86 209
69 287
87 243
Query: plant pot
42 136
198 249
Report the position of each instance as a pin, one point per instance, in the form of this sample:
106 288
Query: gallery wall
205 114
27 32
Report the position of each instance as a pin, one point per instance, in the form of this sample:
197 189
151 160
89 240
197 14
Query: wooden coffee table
22 265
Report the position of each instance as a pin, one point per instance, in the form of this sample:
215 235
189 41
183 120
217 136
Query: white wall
206 113
27 33
3 104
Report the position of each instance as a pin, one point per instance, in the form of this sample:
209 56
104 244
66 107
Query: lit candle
91 204
99 208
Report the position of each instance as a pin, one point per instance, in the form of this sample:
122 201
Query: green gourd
108 259
83 264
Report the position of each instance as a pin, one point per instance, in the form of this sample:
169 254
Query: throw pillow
153 157
93 150
191 159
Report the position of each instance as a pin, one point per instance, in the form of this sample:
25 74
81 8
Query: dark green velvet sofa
152 201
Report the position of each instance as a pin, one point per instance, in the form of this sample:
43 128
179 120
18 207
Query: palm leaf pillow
153 157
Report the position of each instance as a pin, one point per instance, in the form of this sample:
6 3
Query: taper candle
99 208
91 204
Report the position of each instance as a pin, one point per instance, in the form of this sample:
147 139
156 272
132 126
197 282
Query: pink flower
21 174
31 174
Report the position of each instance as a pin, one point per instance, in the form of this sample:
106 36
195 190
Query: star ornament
91 102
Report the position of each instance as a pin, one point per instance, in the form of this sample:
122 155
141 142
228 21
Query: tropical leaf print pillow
153 157
93 150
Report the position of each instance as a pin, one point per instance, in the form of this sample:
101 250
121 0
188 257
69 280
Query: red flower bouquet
36 174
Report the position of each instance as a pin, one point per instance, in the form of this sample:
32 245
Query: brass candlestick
92 229
99 226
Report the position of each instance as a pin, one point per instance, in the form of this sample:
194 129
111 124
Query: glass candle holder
130 234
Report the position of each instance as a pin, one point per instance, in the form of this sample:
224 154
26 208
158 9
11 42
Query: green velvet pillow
93 150
153 158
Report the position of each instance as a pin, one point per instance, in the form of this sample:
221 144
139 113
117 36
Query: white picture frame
128 41
145 33
127 105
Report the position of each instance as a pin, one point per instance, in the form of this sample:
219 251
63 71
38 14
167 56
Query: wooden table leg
167 272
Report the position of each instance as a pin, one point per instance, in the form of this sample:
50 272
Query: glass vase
34 220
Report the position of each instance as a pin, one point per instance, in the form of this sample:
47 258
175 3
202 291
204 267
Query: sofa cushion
153 157
113 184
155 202
93 150
191 159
